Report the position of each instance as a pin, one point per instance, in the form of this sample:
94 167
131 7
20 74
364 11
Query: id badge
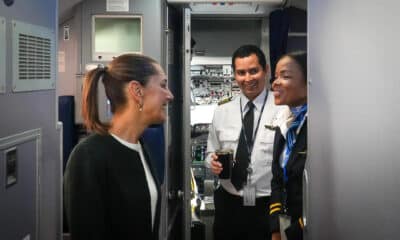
249 195
284 223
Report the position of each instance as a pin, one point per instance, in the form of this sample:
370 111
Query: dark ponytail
90 108
115 76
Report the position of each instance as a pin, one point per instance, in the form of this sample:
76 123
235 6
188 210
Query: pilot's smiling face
250 76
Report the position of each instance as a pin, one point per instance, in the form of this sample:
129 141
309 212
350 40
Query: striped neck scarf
298 113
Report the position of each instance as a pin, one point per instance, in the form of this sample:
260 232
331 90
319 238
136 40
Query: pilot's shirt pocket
265 147
267 137
229 139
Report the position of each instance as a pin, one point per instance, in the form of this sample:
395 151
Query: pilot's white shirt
225 130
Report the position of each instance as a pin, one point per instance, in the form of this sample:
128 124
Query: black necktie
239 171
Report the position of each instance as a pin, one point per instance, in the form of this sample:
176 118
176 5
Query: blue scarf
299 113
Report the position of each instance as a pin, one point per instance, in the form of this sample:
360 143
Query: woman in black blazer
290 147
110 187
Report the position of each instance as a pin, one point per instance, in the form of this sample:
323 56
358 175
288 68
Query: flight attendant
290 148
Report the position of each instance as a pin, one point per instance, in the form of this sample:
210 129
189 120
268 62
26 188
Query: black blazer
106 194
294 186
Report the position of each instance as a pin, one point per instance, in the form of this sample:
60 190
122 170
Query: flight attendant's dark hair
301 58
115 76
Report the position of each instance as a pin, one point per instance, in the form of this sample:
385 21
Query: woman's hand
276 236
216 167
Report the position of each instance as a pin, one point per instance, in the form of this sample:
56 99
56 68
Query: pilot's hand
216 167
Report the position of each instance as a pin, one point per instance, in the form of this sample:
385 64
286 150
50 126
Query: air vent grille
33 54
34 57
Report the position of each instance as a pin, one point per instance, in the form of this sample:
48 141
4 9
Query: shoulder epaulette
225 100
275 207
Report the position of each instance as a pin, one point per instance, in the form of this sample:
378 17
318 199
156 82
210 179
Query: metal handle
305 197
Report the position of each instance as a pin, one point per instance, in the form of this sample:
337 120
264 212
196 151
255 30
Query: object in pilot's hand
225 157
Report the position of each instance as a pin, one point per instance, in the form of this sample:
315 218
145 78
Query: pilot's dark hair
247 50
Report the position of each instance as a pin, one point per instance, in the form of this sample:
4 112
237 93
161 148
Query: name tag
249 195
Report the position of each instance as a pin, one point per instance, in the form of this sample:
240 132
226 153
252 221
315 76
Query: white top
149 177
224 133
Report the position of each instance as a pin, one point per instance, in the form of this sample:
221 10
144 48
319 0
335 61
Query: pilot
239 125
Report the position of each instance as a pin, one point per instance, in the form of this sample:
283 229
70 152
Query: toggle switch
11 166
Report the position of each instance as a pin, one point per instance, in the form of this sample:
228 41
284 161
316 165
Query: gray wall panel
152 12
353 133
72 54
32 110
152 20
19 215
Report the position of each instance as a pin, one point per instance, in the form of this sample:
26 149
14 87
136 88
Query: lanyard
249 145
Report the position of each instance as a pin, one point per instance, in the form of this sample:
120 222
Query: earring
140 107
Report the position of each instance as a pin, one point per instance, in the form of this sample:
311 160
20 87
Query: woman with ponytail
110 187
